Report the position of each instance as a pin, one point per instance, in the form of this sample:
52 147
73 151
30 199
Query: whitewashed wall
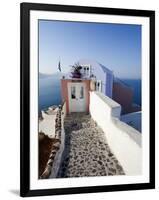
124 141
47 125
133 118
58 157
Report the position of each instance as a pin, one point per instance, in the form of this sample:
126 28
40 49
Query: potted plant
76 71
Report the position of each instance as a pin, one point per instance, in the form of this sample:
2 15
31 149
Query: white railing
124 141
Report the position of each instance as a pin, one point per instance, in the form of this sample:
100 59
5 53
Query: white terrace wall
58 157
124 141
47 125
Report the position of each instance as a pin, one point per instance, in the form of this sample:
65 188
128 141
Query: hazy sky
117 46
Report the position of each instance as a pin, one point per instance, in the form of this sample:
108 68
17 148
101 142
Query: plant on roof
76 71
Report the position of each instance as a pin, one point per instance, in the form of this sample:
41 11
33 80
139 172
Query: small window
81 92
84 70
73 92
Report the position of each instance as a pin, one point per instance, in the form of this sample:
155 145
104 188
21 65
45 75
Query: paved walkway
87 152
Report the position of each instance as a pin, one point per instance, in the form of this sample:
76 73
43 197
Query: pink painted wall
64 92
124 96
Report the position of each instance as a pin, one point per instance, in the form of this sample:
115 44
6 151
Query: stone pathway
87 152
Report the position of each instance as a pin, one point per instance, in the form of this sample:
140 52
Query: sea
50 91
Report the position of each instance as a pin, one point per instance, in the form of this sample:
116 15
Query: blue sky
117 46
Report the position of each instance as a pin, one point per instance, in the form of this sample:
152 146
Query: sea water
50 91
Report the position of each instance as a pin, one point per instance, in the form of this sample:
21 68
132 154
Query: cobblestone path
86 150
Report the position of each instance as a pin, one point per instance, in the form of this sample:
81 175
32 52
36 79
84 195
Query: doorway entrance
77 97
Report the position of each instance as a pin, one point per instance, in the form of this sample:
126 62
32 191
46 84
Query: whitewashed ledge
124 141
133 119
47 124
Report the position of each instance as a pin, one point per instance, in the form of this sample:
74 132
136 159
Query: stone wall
58 157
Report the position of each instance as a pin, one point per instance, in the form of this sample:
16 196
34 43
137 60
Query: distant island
42 75
55 75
